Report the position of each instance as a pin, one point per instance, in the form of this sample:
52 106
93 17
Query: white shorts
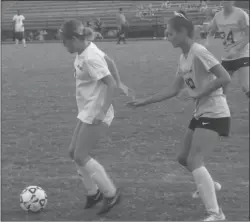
19 29
85 118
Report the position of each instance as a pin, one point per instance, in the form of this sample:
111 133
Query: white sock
99 175
89 185
24 42
205 186
16 41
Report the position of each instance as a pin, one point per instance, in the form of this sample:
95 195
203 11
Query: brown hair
75 28
180 21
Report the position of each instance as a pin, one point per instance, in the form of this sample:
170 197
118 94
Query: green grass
39 116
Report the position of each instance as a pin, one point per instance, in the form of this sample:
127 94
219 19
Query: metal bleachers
51 14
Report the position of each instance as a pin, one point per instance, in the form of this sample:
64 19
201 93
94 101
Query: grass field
39 115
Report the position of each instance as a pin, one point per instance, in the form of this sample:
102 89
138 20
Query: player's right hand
136 103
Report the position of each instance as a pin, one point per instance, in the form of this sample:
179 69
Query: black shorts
219 125
234 65
19 35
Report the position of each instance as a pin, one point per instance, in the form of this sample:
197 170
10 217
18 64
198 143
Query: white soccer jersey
195 71
230 31
90 67
18 19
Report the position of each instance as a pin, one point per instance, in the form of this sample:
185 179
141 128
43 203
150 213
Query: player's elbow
109 81
225 79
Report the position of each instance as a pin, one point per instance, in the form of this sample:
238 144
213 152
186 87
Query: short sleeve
213 24
97 68
206 58
244 19
14 18
23 17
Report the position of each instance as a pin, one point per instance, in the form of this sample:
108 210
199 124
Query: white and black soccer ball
33 199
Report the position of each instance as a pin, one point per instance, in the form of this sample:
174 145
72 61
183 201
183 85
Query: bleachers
50 14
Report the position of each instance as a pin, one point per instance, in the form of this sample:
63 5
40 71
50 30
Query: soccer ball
33 198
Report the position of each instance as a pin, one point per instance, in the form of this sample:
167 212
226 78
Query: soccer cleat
215 217
93 200
217 187
109 202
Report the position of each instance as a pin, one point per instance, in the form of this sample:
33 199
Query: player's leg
203 142
93 196
119 35
184 153
122 34
13 36
185 148
72 145
165 34
23 39
243 77
87 139
17 36
230 66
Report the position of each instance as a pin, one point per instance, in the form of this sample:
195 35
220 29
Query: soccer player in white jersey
233 25
19 28
203 76
95 84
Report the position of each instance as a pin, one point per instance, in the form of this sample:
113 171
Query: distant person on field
19 28
122 26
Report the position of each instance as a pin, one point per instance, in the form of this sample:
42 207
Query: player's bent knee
81 161
71 151
194 163
71 154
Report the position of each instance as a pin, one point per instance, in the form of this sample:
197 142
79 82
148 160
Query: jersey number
190 83
229 39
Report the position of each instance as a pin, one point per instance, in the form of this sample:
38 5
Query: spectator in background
30 37
18 27
41 35
122 26
98 28
165 4
89 24
150 10
98 25
203 6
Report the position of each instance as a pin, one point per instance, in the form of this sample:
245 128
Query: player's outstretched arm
164 94
212 29
115 73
